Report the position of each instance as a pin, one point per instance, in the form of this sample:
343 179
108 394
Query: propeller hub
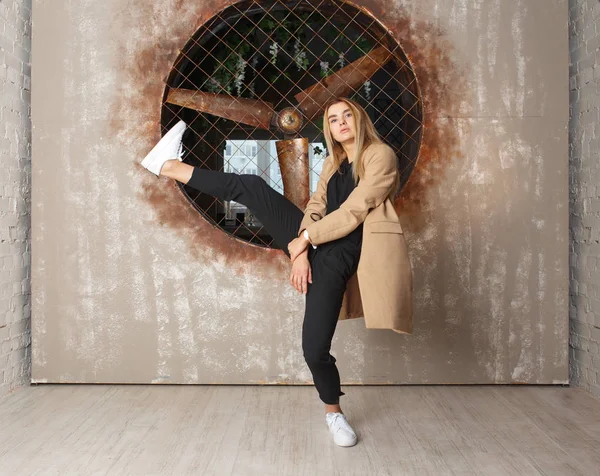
289 120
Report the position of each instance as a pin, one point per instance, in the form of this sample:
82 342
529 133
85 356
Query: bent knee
314 356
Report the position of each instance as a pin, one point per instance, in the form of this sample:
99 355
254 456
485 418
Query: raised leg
279 216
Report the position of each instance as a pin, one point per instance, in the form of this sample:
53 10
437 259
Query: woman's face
341 122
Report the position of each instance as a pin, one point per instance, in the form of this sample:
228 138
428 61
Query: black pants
331 266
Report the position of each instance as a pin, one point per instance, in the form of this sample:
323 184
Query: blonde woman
359 173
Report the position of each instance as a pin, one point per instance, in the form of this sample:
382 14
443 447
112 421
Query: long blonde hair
365 134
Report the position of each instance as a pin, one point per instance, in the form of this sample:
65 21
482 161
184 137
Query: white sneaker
343 434
169 147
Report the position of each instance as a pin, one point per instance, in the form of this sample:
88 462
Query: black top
340 185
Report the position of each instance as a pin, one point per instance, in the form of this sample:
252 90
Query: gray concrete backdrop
584 34
123 295
15 193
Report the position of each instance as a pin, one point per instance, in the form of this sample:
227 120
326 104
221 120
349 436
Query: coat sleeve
317 204
372 189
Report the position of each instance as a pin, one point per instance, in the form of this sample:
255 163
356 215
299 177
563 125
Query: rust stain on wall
443 88
156 36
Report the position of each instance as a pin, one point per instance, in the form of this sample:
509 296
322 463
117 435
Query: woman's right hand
301 273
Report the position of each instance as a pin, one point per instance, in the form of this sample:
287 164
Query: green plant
287 35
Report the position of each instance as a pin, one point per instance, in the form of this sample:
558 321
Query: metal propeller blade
293 163
292 154
252 112
342 82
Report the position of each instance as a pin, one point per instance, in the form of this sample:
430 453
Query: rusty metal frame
227 18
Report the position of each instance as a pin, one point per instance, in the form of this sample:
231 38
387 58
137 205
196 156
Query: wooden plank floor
280 430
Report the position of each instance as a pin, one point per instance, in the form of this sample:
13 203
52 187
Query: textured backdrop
130 284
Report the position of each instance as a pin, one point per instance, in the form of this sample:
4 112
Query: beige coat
381 289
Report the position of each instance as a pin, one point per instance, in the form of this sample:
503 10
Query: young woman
333 218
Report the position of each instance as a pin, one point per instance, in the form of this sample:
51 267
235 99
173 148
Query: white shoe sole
346 443
154 155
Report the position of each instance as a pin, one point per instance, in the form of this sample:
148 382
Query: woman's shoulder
379 148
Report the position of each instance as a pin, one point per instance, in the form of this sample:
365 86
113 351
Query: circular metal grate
259 72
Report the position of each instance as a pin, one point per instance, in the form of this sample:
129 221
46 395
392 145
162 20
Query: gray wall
584 34
132 285
15 187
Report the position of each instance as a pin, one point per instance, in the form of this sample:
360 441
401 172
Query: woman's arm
372 189
317 205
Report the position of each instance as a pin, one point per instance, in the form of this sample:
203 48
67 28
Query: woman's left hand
297 246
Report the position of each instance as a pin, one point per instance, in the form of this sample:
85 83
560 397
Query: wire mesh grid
257 56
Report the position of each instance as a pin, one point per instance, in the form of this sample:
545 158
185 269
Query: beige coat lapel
382 288
372 189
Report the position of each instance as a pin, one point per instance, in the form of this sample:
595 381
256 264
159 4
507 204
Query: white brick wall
584 37
15 193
